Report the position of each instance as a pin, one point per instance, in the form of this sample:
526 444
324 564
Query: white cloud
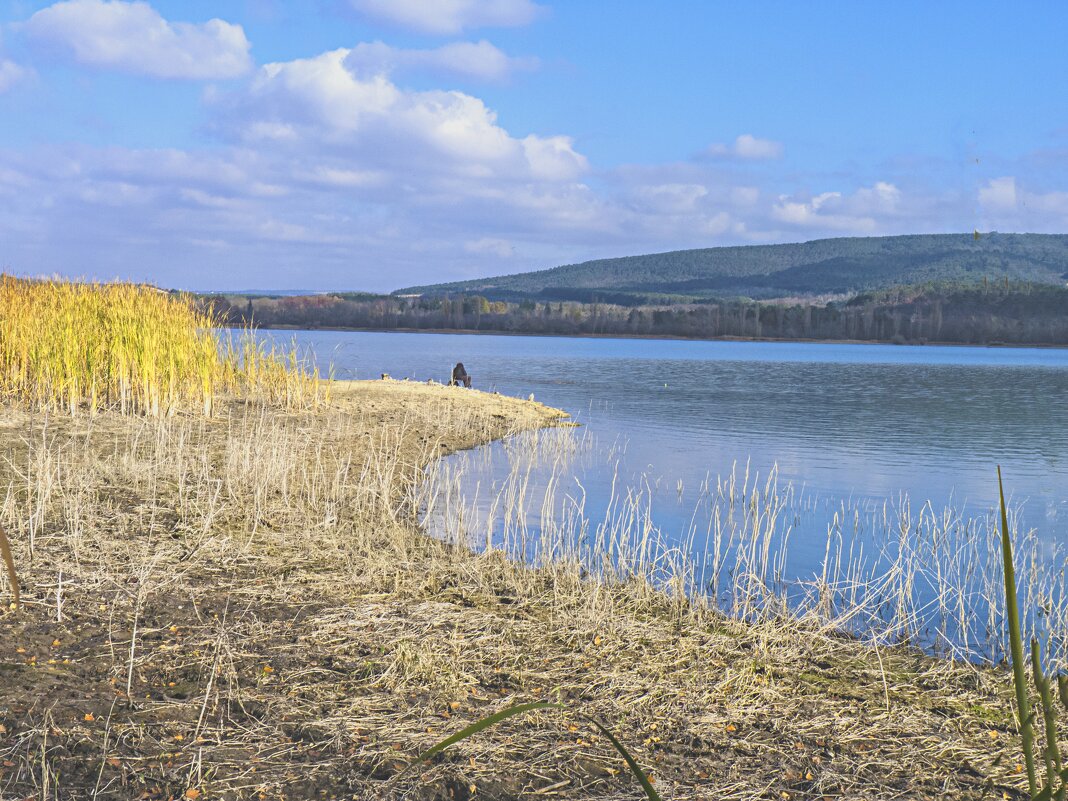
1054 204
336 174
11 74
469 59
864 211
376 123
881 199
344 178
552 158
445 17
746 147
804 212
672 198
745 195
719 224
500 248
133 37
1006 204
333 177
324 210
999 194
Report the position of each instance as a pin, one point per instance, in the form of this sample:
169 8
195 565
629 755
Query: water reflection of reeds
890 571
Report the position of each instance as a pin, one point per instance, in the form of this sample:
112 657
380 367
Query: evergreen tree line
980 314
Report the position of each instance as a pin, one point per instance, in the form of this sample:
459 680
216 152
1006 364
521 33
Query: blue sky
379 143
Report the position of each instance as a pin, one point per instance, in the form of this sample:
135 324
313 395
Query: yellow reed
134 348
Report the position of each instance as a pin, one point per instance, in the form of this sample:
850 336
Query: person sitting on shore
460 377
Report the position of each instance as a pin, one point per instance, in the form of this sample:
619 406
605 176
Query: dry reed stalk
9 563
299 637
888 574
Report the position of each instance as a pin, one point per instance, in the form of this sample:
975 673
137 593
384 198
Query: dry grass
243 607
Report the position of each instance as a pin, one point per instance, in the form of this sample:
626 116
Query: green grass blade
1023 704
639 774
519 709
1051 754
485 723
1047 793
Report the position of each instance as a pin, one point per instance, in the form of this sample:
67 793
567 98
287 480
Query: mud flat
245 607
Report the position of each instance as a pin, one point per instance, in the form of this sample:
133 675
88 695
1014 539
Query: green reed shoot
1056 779
519 709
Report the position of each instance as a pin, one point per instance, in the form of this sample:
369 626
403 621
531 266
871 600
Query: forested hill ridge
995 288
819 268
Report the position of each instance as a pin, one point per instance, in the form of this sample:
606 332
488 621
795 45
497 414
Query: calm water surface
839 420
861 436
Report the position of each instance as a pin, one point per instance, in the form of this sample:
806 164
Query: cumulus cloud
371 120
999 194
501 248
1006 204
330 176
882 199
746 147
329 172
133 37
447 17
479 60
745 196
227 217
11 74
322 210
859 212
672 198
700 203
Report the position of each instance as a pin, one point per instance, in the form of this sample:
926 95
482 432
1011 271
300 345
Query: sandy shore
246 608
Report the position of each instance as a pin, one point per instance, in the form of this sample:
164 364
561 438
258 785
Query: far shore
998 345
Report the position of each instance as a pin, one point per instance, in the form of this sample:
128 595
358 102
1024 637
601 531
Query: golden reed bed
130 347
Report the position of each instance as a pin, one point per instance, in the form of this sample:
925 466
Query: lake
850 428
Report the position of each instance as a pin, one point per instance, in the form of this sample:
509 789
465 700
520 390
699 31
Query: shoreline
283 611
464 332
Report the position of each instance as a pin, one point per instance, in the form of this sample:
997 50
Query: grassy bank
242 606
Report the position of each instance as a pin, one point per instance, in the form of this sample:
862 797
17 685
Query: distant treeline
983 313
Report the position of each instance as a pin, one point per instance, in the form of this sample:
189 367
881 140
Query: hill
821 267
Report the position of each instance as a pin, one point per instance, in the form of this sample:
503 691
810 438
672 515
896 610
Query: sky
377 144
